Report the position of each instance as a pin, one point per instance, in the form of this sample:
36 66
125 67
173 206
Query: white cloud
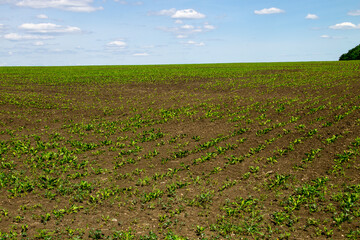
193 43
117 44
67 5
39 43
18 37
148 46
331 37
184 31
188 14
127 2
354 13
187 30
209 27
140 54
48 28
42 16
179 14
164 12
168 29
181 36
272 10
312 16
197 30
187 26
345 25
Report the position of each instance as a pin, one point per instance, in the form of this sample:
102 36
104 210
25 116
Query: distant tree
352 54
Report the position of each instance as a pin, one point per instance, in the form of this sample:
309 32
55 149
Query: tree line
352 54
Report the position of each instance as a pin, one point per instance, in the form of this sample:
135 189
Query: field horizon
180 151
172 64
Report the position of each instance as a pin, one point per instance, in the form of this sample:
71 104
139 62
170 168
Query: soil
195 107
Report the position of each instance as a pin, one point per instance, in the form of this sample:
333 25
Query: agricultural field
211 151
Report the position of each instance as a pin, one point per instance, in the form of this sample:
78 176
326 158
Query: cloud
181 36
354 13
197 30
331 37
42 16
39 43
67 5
187 30
312 16
18 37
187 26
140 54
169 29
164 12
117 44
209 27
181 30
148 46
193 43
179 14
48 28
345 25
272 10
184 30
188 14
127 2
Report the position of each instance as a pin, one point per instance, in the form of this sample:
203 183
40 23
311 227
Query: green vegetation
352 54
212 151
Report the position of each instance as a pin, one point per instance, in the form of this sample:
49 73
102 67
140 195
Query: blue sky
112 32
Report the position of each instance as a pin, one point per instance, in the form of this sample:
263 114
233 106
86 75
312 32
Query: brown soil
139 107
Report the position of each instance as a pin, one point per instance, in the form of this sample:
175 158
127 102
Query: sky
127 32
